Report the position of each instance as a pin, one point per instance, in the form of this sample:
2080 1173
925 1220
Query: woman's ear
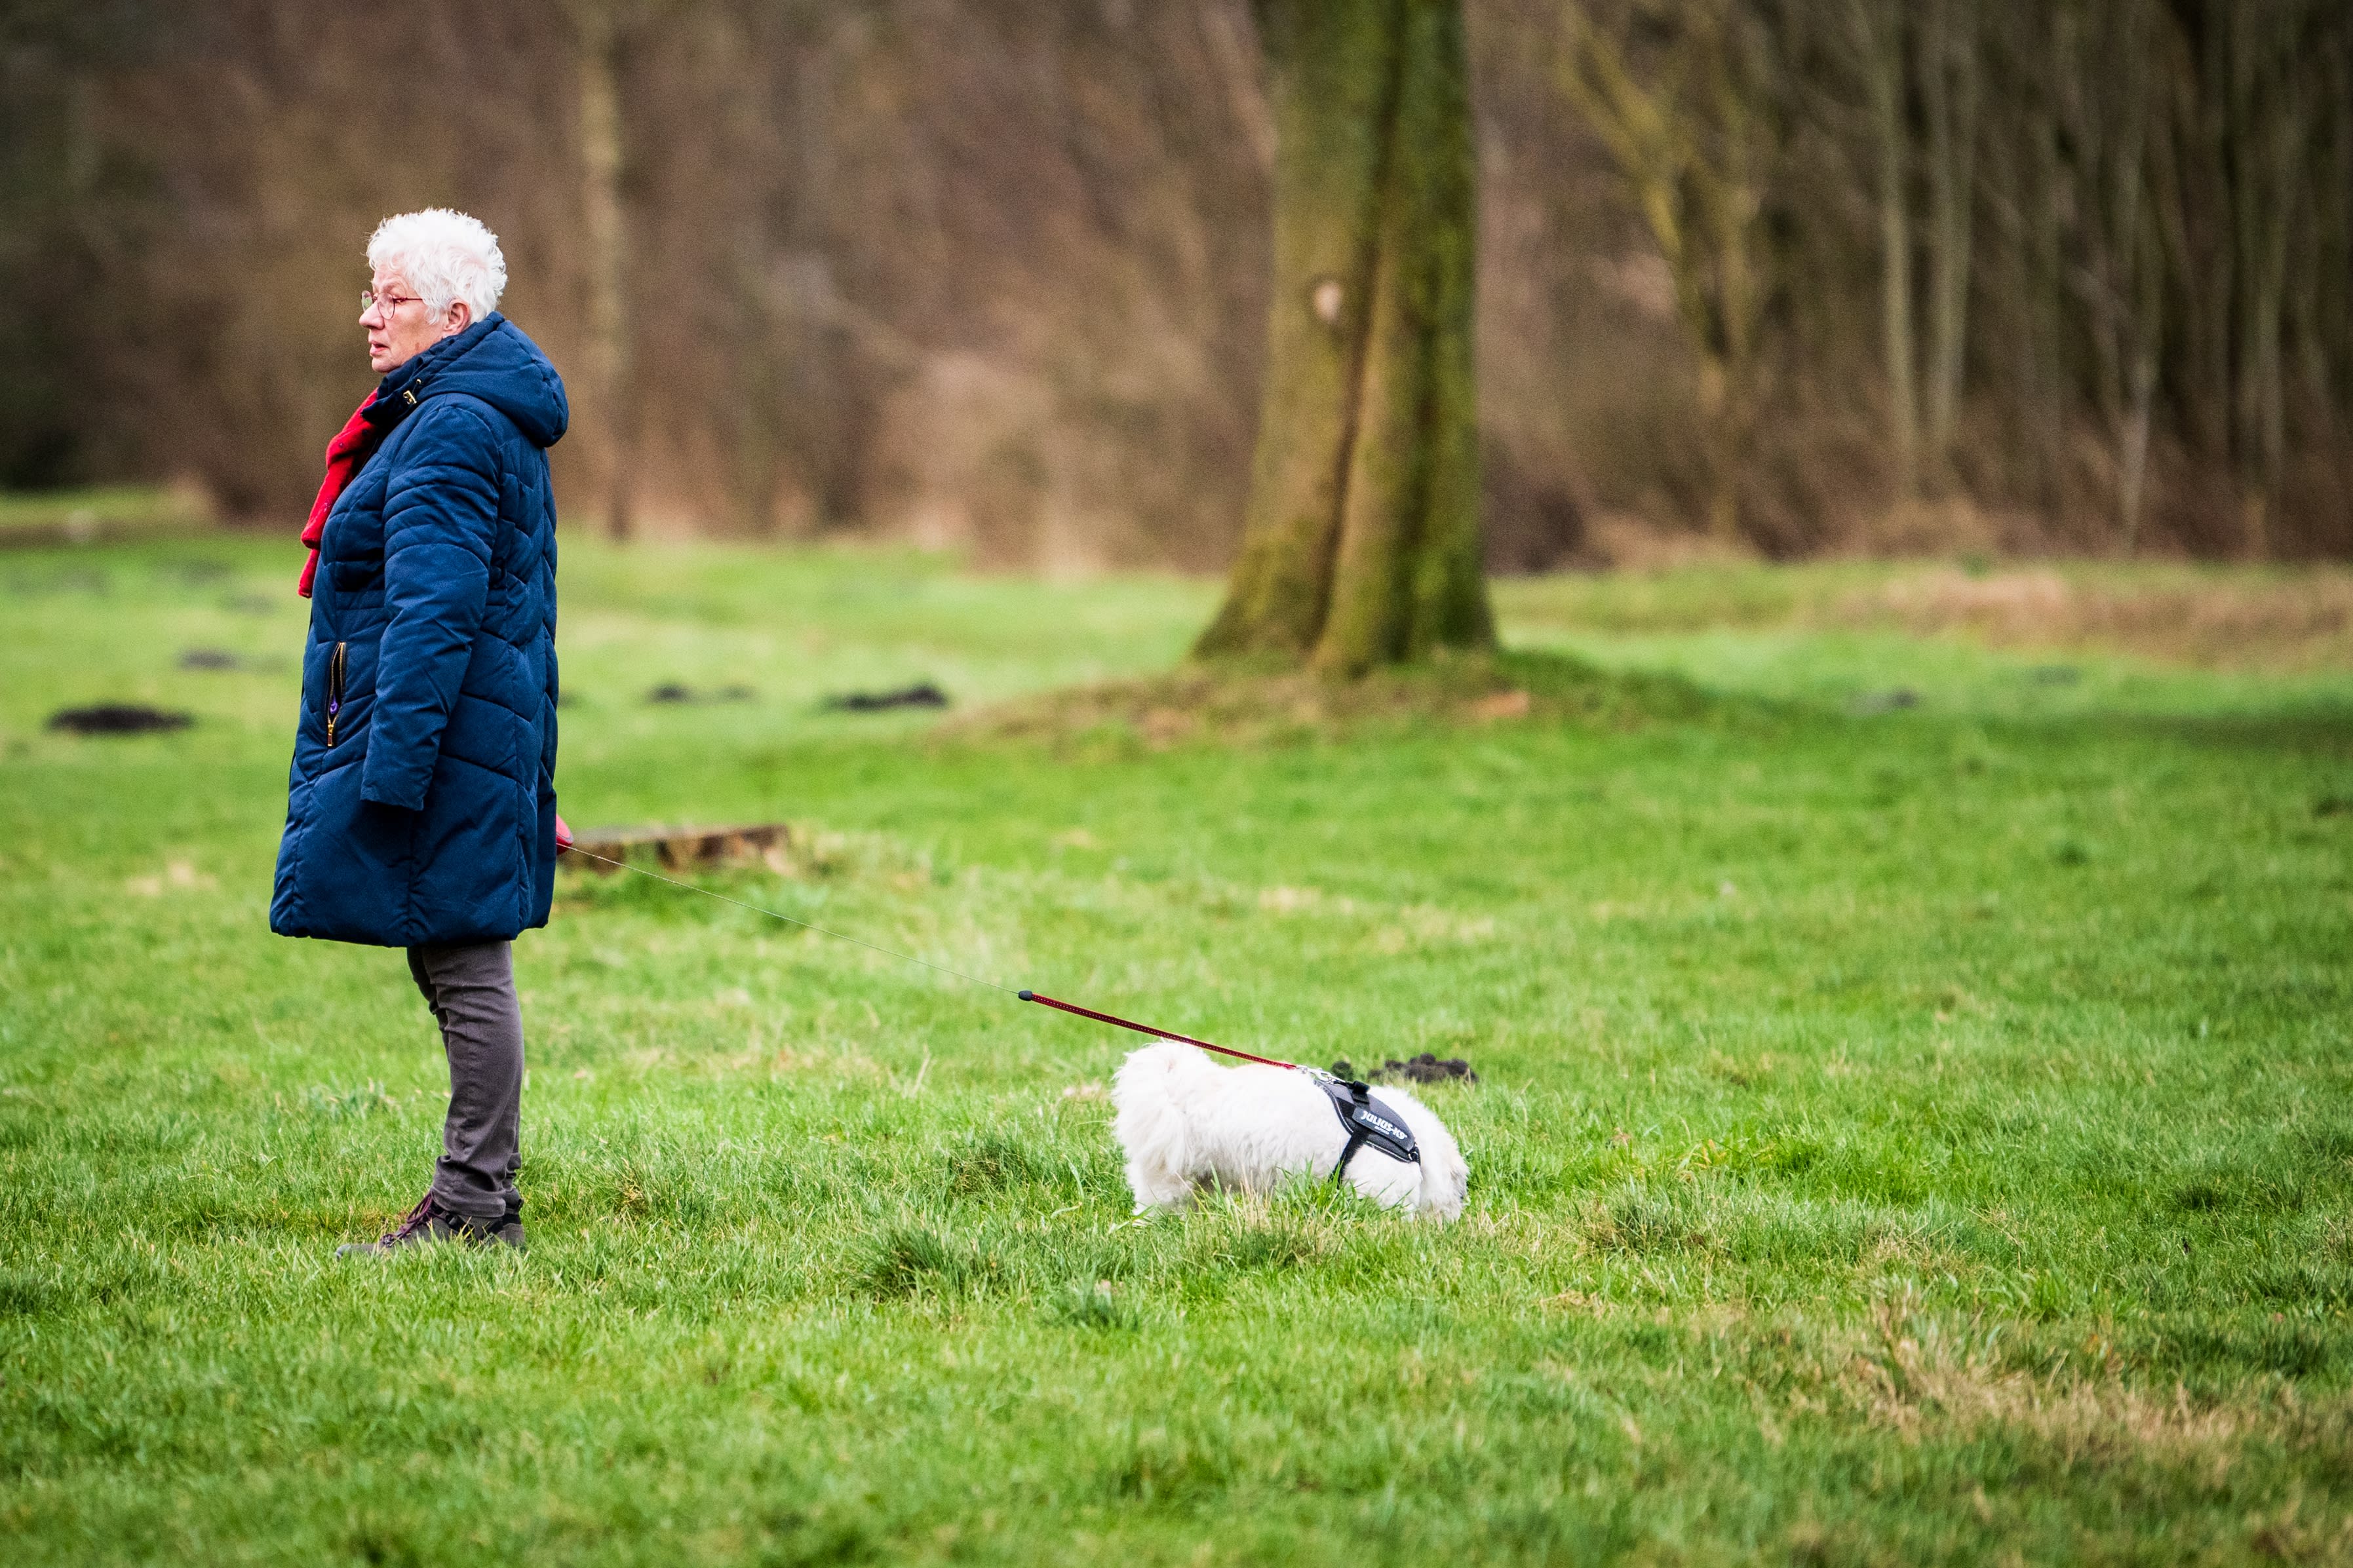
460 317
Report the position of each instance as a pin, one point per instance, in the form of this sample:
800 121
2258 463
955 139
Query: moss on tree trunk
1361 545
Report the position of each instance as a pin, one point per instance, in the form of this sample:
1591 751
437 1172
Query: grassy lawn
1917 1125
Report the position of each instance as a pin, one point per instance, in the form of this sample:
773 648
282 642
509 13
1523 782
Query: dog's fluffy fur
1186 1123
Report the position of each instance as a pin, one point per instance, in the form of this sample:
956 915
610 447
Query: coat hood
492 359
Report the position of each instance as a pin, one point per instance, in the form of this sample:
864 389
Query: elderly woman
421 809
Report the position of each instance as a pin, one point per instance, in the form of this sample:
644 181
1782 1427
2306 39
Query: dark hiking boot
509 1231
428 1222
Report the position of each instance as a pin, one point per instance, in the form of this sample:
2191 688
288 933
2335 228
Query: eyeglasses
388 303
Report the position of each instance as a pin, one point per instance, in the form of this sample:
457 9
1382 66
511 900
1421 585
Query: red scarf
347 454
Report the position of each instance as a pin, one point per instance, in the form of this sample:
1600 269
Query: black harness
1367 1120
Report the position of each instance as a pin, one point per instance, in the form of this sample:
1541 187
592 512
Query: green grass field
1910 1132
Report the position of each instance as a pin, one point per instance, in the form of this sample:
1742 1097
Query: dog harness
1367 1120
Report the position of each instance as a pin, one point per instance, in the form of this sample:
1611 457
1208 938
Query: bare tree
1689 147
1949 73
2121 152
2266 114
602 28
1877 29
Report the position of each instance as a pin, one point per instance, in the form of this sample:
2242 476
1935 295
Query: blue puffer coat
423 811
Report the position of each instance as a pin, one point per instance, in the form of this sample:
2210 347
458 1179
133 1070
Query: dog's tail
1150 1092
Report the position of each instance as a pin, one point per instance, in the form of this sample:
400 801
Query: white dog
1186 1123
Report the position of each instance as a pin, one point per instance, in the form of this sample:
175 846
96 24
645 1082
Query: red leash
1148 1029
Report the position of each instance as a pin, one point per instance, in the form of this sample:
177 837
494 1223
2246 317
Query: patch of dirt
1235 706
922 694
1425 1069
671 692
177 874
117 718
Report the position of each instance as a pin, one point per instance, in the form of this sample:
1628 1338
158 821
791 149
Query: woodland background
1785 276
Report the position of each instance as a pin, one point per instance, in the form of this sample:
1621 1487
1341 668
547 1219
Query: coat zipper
334 690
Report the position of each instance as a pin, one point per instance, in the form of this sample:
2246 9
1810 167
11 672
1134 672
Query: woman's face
398 328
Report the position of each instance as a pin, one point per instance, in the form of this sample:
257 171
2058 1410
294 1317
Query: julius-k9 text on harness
1367 1121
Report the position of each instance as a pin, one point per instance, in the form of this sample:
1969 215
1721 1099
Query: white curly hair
444 256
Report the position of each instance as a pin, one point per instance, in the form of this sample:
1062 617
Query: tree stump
605 850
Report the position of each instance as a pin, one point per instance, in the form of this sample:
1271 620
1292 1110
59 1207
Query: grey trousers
470 988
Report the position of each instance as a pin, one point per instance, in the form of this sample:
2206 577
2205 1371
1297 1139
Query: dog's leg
1155 1186
1149 1093
1384 1180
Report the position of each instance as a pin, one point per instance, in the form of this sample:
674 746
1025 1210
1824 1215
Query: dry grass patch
2281 619
2288 622
1921 1378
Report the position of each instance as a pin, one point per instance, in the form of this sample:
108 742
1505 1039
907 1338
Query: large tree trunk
1361 544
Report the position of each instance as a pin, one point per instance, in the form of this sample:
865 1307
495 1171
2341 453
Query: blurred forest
1793 276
